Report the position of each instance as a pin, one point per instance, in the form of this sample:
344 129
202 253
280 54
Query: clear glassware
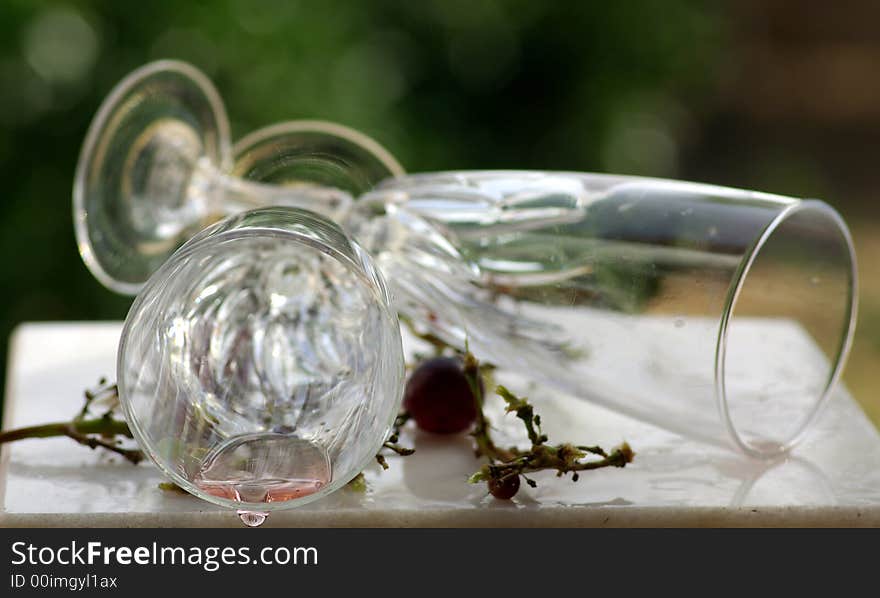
538 270
544 272
154 170
261 366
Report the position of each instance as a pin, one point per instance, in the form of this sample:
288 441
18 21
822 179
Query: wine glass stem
227 194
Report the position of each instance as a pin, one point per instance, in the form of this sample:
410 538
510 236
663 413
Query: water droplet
679 322
251 519
815 280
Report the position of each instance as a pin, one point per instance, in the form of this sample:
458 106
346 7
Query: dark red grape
439 398
504 488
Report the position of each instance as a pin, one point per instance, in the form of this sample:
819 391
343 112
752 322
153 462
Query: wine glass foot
130 191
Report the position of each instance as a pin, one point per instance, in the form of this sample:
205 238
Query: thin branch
133 455
104 426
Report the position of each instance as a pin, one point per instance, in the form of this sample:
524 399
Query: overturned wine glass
261 366
154 170
720 314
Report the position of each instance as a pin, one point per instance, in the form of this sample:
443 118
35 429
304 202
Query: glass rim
832 218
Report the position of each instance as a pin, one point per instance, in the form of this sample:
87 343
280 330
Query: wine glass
261 366
721 314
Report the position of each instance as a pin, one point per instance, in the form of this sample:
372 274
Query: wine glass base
314 152
129 194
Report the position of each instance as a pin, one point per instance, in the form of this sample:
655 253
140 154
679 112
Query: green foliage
443 84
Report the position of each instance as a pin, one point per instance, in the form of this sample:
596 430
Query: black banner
401 562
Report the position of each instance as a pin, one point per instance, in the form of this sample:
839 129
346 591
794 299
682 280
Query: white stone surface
832 478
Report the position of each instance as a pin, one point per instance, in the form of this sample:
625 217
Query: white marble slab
833 478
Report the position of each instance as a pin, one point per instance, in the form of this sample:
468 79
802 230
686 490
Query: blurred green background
775 95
